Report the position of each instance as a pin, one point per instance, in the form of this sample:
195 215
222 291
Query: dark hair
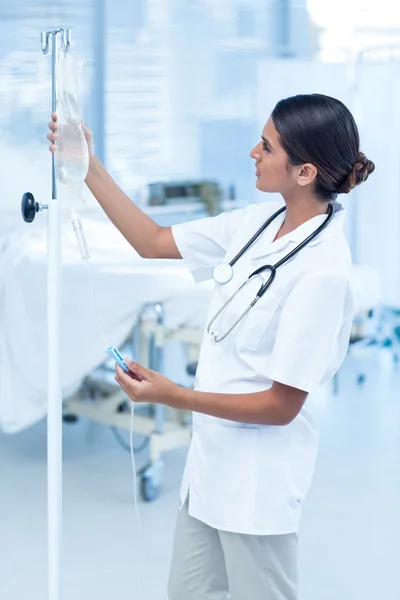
321 130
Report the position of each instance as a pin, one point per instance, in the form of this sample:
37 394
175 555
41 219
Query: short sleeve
203 243
313 332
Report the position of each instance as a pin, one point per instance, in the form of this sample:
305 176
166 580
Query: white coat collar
267 246
302 232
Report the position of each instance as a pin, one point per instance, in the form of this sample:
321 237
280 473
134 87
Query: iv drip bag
72 156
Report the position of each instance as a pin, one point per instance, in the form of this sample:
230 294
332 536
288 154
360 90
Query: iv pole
54 403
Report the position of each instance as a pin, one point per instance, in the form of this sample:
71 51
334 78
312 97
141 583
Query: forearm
268 407
136 227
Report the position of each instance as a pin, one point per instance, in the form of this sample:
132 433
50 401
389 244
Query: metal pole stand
54 403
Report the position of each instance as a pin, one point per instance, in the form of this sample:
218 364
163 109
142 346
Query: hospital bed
151 310
129 291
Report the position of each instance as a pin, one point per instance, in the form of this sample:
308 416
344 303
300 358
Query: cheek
274 176
270 165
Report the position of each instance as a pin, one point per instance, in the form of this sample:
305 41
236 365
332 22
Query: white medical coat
246 478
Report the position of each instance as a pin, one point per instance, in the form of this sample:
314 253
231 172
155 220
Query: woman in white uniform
254 443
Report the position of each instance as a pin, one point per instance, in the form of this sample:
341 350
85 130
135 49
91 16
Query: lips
257 173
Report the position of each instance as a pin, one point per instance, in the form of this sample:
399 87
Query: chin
264 187
261 187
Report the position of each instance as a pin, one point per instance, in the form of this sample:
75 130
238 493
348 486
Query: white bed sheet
123 282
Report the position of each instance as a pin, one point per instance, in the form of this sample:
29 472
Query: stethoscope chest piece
222 273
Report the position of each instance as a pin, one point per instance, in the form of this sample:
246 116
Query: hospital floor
351 522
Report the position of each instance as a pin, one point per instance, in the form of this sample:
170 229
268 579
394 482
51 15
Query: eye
266 148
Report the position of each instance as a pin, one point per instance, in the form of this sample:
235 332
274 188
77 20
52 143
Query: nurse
254 444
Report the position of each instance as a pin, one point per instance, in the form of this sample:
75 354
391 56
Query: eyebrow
266 141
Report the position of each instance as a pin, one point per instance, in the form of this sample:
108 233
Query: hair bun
362 168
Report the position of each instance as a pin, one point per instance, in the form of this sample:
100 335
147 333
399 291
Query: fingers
137 369
134 376
123 387
120 376
53 137
53 125
127 383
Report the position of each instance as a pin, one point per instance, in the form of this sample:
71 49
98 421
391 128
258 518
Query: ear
307 174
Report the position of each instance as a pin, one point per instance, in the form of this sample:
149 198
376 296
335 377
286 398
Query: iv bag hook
65 39
29 207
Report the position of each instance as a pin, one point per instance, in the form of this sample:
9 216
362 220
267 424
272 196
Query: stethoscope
223 272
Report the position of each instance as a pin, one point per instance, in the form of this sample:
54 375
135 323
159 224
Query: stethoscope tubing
272 268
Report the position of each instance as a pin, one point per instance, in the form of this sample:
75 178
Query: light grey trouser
209 564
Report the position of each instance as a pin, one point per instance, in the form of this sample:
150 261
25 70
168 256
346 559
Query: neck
299 210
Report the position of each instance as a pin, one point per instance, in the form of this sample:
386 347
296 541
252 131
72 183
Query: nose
255 154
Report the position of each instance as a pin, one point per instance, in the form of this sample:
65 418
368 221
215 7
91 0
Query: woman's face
272 170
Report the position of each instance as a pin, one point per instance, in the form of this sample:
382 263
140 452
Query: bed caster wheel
191 369
150 482
70 418
361 379
149 490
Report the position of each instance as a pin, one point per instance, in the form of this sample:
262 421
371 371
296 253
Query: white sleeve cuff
199 273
